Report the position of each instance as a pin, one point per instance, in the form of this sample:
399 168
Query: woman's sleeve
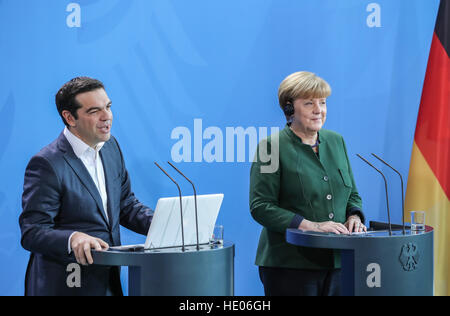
354 204
264 199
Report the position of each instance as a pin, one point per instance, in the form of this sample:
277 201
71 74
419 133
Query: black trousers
299 282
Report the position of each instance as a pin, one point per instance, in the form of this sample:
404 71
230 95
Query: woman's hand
324 227
354 224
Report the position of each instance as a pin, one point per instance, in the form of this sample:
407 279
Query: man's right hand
82 244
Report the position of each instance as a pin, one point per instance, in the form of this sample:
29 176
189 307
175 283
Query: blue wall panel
166 63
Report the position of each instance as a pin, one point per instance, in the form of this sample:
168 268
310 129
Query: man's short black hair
65 98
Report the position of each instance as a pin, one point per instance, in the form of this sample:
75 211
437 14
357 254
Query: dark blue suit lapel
80 170
108 164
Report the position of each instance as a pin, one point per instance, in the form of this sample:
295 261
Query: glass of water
217 236
417 222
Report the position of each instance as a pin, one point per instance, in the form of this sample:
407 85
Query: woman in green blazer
312 189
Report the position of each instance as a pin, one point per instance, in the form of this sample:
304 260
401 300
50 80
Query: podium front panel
172 272
376 263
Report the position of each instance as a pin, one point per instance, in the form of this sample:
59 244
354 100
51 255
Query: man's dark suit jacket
60 198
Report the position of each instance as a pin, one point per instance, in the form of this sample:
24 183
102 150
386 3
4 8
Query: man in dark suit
76 193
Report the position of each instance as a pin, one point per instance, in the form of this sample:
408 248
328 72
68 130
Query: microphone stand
401 180
195 201
181 204
386 189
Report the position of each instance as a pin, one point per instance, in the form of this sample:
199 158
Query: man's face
94 121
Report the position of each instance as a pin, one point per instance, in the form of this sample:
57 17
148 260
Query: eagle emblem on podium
409 256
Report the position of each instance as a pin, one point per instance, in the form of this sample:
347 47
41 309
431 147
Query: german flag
429 174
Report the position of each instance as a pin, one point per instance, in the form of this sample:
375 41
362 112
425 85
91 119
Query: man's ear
70 120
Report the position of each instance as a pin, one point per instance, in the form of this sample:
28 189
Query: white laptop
165 230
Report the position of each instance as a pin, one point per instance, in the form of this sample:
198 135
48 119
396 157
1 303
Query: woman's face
310 114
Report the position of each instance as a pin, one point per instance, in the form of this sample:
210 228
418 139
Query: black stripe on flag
442 28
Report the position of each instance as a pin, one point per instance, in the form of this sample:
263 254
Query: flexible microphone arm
401 180
195 200
181 204
386 189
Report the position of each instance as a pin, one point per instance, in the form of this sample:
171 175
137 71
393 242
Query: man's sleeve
41 205
133 214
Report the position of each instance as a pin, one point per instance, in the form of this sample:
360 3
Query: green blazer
318 188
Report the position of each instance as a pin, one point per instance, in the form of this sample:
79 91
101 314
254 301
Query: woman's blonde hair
303 85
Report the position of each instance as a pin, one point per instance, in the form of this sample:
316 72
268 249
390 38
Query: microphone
401 180
195 200
181 204
386 189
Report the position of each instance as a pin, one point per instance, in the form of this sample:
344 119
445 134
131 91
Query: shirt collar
79 147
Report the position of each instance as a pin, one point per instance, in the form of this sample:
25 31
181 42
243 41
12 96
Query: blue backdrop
166 63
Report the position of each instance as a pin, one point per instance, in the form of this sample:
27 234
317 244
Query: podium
376 264
172 272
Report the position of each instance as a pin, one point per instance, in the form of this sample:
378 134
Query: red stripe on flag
433 123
